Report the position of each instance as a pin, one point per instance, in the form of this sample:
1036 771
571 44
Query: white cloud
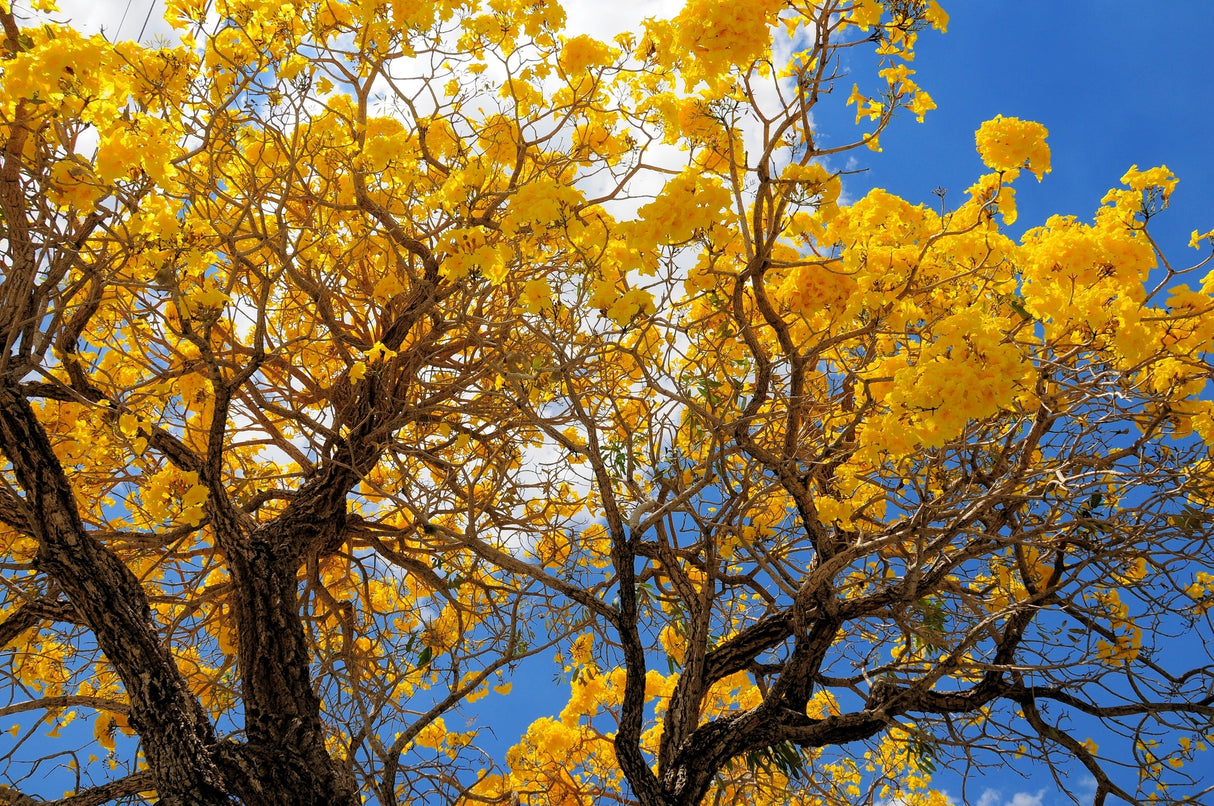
606 19
1026 799
141 20
994 797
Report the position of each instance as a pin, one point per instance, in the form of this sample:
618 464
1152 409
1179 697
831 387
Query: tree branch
110 599
132 784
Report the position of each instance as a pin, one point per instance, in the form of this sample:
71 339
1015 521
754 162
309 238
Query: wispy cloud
995 797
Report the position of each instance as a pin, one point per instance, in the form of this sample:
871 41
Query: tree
343 373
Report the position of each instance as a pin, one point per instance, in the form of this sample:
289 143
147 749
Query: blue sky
1116 83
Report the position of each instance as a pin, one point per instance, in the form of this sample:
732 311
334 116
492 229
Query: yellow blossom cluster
1009 144
583 52
964 370
708 38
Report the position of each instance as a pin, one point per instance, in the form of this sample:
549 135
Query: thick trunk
283 762
176 733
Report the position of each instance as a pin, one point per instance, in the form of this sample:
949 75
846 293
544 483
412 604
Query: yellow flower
582 649
433 735
936 16
921 104
1009 143
537 295
1158 177
192 504
103 731
865 14
635 302
582 52
379 352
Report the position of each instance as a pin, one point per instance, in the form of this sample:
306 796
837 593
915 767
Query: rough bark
108 597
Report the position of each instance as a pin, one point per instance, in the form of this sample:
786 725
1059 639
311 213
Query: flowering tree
357 352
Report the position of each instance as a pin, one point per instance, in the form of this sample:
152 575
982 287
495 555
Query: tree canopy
359 353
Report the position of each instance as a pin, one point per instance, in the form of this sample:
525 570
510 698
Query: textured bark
32 613
284 760
108 597
95 796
